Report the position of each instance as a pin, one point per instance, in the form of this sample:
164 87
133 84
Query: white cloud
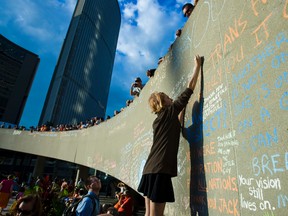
145 27
43 22
66 5
129 11
70 5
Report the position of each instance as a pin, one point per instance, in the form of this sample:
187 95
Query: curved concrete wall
233 157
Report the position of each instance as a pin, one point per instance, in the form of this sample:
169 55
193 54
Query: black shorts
157 187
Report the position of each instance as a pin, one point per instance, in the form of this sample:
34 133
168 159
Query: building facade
17 70
80 84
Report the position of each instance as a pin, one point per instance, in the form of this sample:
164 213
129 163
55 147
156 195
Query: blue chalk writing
264 113
237 77
217 121
260 58
284 101
253 79
282 201
286 160
280 38
281 79
234 94
265 88
263 92
279 59
245 125
245 104
264 140
268 164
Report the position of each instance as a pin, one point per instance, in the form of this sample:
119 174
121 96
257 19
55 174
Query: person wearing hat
136 87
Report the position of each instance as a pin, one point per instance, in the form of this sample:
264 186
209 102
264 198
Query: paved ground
6 210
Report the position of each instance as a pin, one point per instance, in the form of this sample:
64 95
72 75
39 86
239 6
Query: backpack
71 209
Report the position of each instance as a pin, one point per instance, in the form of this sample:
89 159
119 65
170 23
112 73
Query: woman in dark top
161 165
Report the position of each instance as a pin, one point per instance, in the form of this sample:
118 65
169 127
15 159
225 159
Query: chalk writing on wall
233 158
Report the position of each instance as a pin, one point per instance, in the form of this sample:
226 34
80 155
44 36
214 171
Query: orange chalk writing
234 32
264 28
188 156
285 14
232 60
212 203
225 206
254 3
209 167
228 183
209 149
214 167
242 23
216 55
216 69
228 206
227 40
219 73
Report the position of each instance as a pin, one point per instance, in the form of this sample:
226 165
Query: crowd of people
160 167
137 85
61 127
135 90
44 197
161 164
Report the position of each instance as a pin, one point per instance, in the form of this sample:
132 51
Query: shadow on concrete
194 135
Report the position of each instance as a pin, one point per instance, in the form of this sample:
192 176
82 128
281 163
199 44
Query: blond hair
156 102
31 198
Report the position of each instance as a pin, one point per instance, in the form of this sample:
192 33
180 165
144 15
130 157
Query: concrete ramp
233 156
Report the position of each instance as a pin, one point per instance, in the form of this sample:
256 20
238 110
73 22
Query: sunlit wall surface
80 85
233 152
17 70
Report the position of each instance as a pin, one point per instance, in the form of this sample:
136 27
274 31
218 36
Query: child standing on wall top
161 165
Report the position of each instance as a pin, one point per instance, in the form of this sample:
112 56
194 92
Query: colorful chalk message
233 156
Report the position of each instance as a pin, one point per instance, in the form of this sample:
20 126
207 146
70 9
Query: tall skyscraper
17 70
80 84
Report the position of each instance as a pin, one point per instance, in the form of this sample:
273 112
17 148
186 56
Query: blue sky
147 30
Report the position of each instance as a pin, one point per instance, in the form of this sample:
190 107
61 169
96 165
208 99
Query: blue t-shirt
85 207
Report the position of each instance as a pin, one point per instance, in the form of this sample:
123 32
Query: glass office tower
17 70
80 84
